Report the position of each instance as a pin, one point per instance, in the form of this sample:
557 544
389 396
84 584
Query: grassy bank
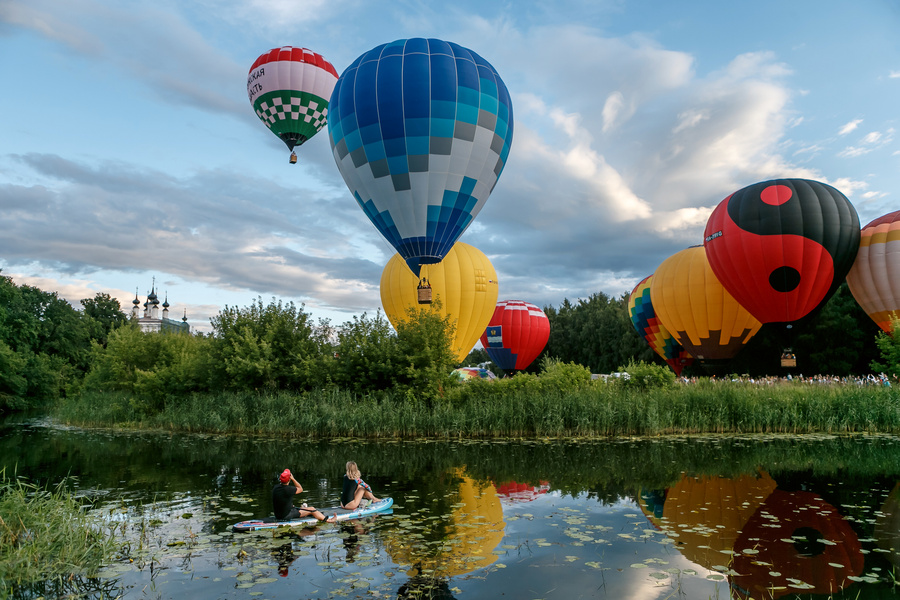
49 545
485 410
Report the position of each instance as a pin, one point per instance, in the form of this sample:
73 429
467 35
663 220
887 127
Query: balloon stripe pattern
874 279
649 327
421 130
289 89
782 247
516 334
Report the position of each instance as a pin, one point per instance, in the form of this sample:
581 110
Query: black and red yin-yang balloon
782 247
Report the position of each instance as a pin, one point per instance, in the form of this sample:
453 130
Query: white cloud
849 127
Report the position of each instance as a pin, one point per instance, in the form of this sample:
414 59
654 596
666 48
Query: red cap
285 476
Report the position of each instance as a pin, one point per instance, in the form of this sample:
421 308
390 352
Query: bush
646 376
557 375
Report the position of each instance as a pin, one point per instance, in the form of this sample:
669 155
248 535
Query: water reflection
462 541
795 541
709 517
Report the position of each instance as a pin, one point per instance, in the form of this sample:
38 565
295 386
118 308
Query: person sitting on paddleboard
355 489
283 503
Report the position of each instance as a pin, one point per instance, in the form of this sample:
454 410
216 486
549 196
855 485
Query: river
674 517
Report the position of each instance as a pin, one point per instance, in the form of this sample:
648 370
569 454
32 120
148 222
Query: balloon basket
293 158
788 359
424 292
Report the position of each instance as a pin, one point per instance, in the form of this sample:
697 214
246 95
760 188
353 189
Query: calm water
702 517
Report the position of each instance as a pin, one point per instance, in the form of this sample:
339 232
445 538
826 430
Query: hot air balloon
874 279
782 247
465 282
420 130
289 89
694 307
648 326
516 334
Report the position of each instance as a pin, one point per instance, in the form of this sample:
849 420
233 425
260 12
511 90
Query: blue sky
129 150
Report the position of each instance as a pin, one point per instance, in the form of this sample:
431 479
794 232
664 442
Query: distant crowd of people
871 379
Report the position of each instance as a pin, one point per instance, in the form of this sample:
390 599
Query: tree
367 355
270 347
153 367
105 314
889 346
426 354
596 333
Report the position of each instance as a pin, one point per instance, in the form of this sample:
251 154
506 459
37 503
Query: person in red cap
283 501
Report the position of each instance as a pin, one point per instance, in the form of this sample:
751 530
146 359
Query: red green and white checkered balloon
289 89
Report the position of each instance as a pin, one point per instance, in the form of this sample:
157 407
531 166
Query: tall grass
488 410
48 543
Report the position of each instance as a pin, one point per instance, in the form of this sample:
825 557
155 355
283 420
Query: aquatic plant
49 543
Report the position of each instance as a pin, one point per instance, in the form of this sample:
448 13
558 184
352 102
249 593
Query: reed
49 544
486 410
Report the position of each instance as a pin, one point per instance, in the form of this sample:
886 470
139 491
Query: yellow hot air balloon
697 310
470 535
465 282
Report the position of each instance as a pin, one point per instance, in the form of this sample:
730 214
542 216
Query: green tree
50 338
105 314
153 367
889 347
427 358
271 346
367 355
596 333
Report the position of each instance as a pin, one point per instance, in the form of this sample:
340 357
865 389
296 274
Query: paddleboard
342 515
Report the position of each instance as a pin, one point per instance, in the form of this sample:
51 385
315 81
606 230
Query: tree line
50 350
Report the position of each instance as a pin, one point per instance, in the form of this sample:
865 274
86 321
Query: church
151 320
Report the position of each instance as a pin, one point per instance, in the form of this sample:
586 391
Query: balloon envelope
782 247
649 327
695 308
465 282
469 373
516 334
289 89
874 279
420 130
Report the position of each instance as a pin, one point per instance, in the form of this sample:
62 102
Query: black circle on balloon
808 541
784 279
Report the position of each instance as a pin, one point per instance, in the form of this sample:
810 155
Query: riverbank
49 544
489 410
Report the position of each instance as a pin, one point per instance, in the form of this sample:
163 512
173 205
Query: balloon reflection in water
795 543
887 526
705 514
512 492
469 536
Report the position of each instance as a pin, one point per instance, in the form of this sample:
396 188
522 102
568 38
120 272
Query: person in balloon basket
283 501
355 490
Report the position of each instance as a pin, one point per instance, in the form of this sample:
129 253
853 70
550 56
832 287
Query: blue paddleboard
342 515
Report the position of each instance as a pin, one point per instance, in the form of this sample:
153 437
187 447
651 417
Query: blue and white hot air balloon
420 130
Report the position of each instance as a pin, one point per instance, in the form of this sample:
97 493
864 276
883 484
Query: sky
130 155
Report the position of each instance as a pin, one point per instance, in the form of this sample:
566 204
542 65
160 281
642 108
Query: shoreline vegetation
525 406
49 544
